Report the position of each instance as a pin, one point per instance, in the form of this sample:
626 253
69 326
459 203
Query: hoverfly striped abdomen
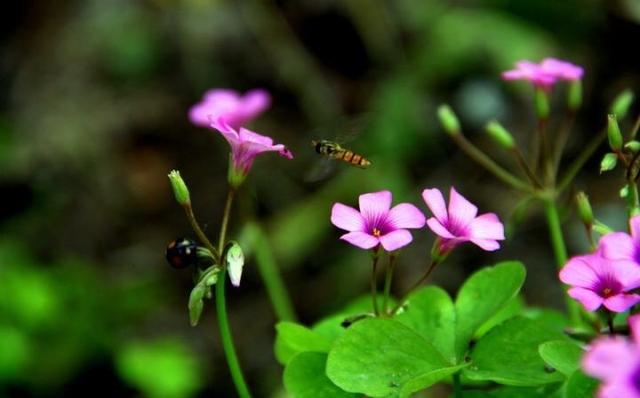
335 151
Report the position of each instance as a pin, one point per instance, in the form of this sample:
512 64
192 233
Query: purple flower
546 73
236 109
598 281
377 223
622 246
616 361
459 223
245 146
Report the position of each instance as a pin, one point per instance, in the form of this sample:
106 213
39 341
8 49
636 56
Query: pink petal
361 239
513 75
577 272
608 358
634 325
486 244
396 239
562 69
634 225
434 200
253 103
347 218
222 96
619 389
215 103
285 152
250 136
617 245
486 226
461 211
439 229
590 300
621 302
375 206
405 215
626 272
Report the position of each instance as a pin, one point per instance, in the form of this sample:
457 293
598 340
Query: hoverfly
334 151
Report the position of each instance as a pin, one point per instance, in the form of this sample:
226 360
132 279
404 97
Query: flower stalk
221 308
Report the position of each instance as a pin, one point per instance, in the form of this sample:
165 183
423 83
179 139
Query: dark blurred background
93 103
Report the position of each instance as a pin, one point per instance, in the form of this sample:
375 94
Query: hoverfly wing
321 170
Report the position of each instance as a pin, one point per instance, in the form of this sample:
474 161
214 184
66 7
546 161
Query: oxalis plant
485 341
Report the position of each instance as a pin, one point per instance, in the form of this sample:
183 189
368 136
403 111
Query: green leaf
426 380
549 391
482 296
293 338
508 354
550 319
431 313
513 308
580 385
304 377
377 357
562 355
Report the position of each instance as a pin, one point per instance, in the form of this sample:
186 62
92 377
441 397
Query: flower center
376 232
607 292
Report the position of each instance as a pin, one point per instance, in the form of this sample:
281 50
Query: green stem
419 282
374 270
577 164
457 386
524 166
546 160
634 130
562 139
559 250
227 338
268 269
479 156
610 322
221 308
387 281
200 233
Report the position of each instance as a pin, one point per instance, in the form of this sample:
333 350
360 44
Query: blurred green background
93 112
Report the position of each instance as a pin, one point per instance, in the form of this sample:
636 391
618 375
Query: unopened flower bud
584 208
609 162
235 263
614 134
621 104
632 146
180 189
196 303
574 97
448 119
624 191
542 103
500 135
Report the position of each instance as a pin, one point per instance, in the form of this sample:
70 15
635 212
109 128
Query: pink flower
245 146
546 73
459 223
562 70
377 223
622 246
527 70
599 281
236 109
616 361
